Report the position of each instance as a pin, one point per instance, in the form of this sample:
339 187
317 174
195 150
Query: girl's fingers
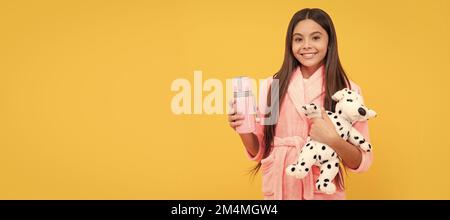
235 124
236 117
232 108
232 111
231 102
326 118
231 105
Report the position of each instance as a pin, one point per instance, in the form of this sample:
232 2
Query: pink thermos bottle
245 103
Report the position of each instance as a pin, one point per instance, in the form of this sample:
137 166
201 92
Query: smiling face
309 43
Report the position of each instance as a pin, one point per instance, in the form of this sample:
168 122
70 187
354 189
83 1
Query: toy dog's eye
349 100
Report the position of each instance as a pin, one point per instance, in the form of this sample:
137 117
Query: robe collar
301 92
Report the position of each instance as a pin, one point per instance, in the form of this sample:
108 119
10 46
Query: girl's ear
339 95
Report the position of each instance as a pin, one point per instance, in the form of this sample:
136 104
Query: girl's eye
316 38
297 39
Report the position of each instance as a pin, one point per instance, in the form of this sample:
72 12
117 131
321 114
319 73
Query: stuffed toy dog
349 109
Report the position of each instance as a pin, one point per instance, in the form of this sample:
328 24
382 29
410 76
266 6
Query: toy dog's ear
339 95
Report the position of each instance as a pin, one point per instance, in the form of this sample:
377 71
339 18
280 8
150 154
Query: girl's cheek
294 47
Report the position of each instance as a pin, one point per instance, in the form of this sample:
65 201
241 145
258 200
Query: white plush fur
349 109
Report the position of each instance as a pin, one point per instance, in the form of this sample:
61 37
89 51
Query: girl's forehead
307 27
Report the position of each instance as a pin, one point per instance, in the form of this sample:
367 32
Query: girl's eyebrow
315 32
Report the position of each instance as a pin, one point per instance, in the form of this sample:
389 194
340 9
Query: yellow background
85 95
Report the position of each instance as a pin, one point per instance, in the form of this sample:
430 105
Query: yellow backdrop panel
85 98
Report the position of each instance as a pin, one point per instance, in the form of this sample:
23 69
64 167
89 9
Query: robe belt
280 164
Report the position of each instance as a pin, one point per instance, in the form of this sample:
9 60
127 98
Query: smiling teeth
308 55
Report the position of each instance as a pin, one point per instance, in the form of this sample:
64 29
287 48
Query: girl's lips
308 55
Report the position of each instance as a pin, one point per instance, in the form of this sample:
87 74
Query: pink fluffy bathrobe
290 135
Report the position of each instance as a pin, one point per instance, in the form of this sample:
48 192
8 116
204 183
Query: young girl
311 73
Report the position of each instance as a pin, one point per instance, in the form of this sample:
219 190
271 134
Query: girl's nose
306 44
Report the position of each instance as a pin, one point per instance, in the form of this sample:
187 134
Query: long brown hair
335 77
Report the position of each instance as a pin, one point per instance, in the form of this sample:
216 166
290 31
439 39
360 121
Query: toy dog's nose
361 111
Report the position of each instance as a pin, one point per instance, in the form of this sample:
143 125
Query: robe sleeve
363 128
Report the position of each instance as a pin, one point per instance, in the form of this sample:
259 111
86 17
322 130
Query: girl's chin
309 63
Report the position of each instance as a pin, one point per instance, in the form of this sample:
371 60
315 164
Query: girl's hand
322 130
234 118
